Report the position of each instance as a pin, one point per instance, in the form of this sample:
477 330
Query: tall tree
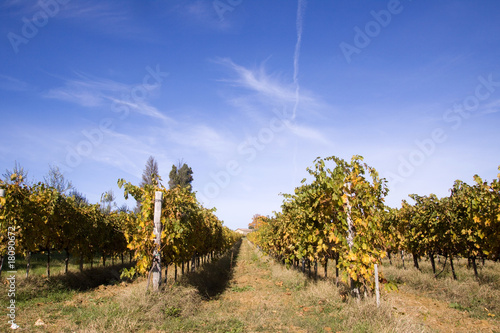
56 179
257 221
150 175
181 175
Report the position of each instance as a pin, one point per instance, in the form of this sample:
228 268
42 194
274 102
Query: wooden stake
48 263
377 291
156 269
66 262
28 263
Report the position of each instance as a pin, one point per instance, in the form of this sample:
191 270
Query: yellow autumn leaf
352 257
332 238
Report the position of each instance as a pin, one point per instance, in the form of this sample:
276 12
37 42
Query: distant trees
80 199
107 201
181 175
21 175
150 176
257 221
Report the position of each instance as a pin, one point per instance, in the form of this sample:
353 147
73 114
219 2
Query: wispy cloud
203 139
106 13
76 95
12 84
268 86
118 154
105 17
115 149
141 107
98 92
18 7
86 91
309 133
202 13
96 11
259 81
492 107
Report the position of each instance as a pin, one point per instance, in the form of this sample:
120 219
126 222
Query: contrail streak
301 6
300 9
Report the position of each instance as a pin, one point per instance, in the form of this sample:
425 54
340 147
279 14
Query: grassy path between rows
251 294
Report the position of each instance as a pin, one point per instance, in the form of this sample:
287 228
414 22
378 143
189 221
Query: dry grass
317 306
135 311
479 297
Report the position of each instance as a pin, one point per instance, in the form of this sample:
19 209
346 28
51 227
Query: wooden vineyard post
377 291
350 238
326 267
156 269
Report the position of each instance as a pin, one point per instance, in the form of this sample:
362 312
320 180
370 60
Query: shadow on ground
79 281
214 278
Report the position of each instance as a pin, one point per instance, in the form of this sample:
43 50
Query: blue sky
249 93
